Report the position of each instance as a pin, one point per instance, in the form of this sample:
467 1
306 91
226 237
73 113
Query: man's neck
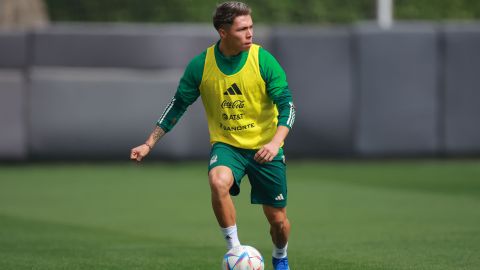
228 52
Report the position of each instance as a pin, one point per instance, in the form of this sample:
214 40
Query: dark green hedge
265 11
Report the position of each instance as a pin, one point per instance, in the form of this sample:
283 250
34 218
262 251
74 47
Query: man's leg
280 231
221 179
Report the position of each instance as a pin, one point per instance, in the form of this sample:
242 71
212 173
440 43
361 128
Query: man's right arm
187 93
139 152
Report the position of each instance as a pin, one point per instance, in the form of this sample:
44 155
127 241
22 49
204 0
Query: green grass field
344 215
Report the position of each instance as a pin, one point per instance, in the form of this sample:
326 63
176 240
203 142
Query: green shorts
268 180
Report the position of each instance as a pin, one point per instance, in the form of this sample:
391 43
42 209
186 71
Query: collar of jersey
230 64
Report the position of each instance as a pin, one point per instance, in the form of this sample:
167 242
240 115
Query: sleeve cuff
162 126
285 125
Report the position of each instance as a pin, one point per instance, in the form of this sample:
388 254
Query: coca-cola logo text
237 104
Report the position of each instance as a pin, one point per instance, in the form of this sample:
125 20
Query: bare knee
220 179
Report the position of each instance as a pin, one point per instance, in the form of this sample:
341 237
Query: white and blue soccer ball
243 258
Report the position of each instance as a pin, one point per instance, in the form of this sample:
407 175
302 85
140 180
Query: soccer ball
242 258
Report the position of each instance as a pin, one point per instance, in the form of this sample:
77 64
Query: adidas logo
233 90
279 197
213 159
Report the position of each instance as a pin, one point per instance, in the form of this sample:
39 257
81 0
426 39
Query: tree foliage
264 11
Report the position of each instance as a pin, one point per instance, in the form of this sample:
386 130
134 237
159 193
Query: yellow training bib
239 111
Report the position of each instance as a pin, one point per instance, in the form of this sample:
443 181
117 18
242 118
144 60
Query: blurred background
82 80
383 164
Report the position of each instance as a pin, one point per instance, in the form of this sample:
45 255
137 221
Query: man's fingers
133 155
262 155
258 154
136 155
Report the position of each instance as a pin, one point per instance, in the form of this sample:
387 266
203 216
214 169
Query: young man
250 112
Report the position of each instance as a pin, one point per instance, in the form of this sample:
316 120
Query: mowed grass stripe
446 176
30 244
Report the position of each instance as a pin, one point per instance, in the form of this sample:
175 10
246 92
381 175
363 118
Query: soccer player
250 111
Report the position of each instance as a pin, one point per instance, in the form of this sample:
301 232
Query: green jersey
188 90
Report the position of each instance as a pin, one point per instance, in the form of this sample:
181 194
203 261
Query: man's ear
222 32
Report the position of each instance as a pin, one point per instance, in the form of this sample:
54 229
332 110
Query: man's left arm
277 88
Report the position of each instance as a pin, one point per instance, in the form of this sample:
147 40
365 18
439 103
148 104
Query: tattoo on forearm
157 133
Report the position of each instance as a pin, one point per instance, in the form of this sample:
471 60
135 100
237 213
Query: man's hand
267 152
139 152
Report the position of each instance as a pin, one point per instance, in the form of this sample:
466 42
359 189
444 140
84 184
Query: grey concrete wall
462 89
95 91
120 46
133 46
13 124
102 113
318 64
398 80
13 49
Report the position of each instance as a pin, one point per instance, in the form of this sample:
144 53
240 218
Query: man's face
238 36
